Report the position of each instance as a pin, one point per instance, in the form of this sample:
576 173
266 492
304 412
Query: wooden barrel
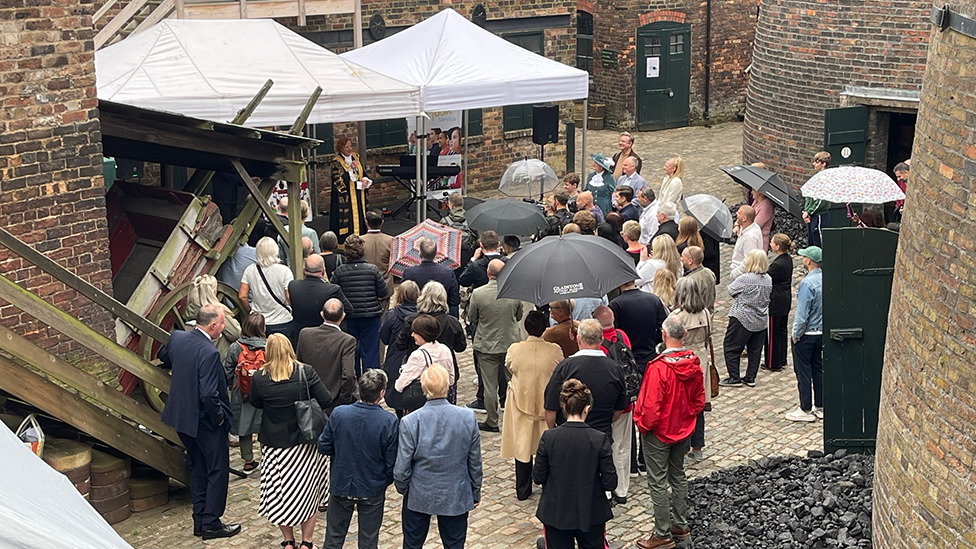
109 491
72 459
148 489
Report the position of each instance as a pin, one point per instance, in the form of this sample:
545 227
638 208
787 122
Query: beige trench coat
531 363
698 339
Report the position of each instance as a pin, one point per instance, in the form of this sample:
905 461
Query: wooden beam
256 195
301 13
242 6
245 220
295 222
299 125
179 9
92 420
85 384
200 178
264 9
71 280
120 20
103 10
156 15
78 331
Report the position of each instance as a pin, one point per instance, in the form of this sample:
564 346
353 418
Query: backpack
624 357
469 237
248 362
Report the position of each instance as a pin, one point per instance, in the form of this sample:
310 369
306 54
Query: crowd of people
586 393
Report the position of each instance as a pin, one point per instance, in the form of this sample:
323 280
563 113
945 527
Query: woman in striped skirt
295 476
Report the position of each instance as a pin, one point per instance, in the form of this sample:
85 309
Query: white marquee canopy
459 65
212 68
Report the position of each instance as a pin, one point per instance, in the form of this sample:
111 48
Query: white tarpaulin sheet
211 68
459 65
39 507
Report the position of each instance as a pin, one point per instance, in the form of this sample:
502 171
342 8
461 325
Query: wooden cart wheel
168 314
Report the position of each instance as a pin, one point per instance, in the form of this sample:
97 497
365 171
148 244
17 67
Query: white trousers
621 452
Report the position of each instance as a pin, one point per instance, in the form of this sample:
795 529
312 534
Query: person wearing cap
807 338
601 182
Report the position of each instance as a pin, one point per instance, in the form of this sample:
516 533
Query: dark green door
846 135
857 273
663 75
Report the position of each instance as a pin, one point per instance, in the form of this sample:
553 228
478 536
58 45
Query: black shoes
619 499
485 427
729 382
749 382
476 405
224 531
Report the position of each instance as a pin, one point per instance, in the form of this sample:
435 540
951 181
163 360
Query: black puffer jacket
363 286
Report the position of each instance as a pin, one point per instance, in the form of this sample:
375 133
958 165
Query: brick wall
615 28
805 52
924 476
51 189
494 150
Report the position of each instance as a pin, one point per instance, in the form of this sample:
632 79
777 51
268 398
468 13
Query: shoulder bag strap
270 291
302 381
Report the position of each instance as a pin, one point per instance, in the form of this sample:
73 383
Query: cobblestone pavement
746 423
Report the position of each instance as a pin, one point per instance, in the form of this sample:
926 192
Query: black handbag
413 397
311 418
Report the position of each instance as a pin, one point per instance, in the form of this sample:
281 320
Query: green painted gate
846 135
857 274
663 75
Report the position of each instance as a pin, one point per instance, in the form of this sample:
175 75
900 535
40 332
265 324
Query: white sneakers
818 412
800 415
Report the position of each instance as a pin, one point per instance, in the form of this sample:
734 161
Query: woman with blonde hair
433 302
295 475
663 287
688 234
748 319
690 310
671 187
264 289
660 254
780 271
204 292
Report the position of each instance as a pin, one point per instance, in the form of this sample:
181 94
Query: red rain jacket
671 396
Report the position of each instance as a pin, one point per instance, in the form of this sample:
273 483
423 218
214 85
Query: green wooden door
846 135
857 274
663 75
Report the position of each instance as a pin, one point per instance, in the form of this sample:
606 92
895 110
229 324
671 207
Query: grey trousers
665 466
489 365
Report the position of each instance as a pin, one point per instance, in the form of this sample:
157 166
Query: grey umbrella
769 184
565 267
506 216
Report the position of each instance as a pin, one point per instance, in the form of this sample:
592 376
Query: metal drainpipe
708 54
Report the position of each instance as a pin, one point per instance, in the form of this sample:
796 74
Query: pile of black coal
818 502
785 223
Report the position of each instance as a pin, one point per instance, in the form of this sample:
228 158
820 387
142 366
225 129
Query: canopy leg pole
464 159
421 153
422 188
586 109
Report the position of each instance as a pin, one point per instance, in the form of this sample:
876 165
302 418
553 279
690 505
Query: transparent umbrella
528 177
712 215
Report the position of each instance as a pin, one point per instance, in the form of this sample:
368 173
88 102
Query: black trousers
523 479
208 462
415 525
595 538
502 383
736 339
777 343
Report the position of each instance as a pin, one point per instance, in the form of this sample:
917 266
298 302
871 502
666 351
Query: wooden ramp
89 405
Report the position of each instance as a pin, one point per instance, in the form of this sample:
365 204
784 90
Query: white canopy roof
211 69
39 507
459 65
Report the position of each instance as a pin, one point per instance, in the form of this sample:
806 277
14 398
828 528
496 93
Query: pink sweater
417 363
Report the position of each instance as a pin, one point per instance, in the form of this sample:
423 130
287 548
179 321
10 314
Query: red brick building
664 64
813 57
51 191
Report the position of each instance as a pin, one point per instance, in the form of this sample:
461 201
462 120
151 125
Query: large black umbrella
565 267
506 216
769 184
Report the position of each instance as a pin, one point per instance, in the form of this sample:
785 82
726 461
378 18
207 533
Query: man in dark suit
428 270
198 408
309 295
640 315
476 272
665 218
331 353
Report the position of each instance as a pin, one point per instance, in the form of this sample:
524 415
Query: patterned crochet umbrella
853 185
406 246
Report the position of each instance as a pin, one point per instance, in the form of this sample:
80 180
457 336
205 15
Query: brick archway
660 15
585 6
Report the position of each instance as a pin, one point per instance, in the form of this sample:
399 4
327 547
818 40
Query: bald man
310 294
496 324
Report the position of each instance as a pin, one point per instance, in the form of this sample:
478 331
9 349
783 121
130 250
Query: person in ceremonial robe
347 212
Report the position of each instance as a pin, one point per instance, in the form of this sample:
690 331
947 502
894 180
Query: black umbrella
565 267
769 184
506 216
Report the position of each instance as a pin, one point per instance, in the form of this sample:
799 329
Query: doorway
901 137
663 75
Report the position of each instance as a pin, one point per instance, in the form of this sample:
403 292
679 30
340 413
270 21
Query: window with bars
584 41
677 44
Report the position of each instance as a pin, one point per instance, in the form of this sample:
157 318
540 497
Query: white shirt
671 190
588 352
645 273
749 239
648 222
